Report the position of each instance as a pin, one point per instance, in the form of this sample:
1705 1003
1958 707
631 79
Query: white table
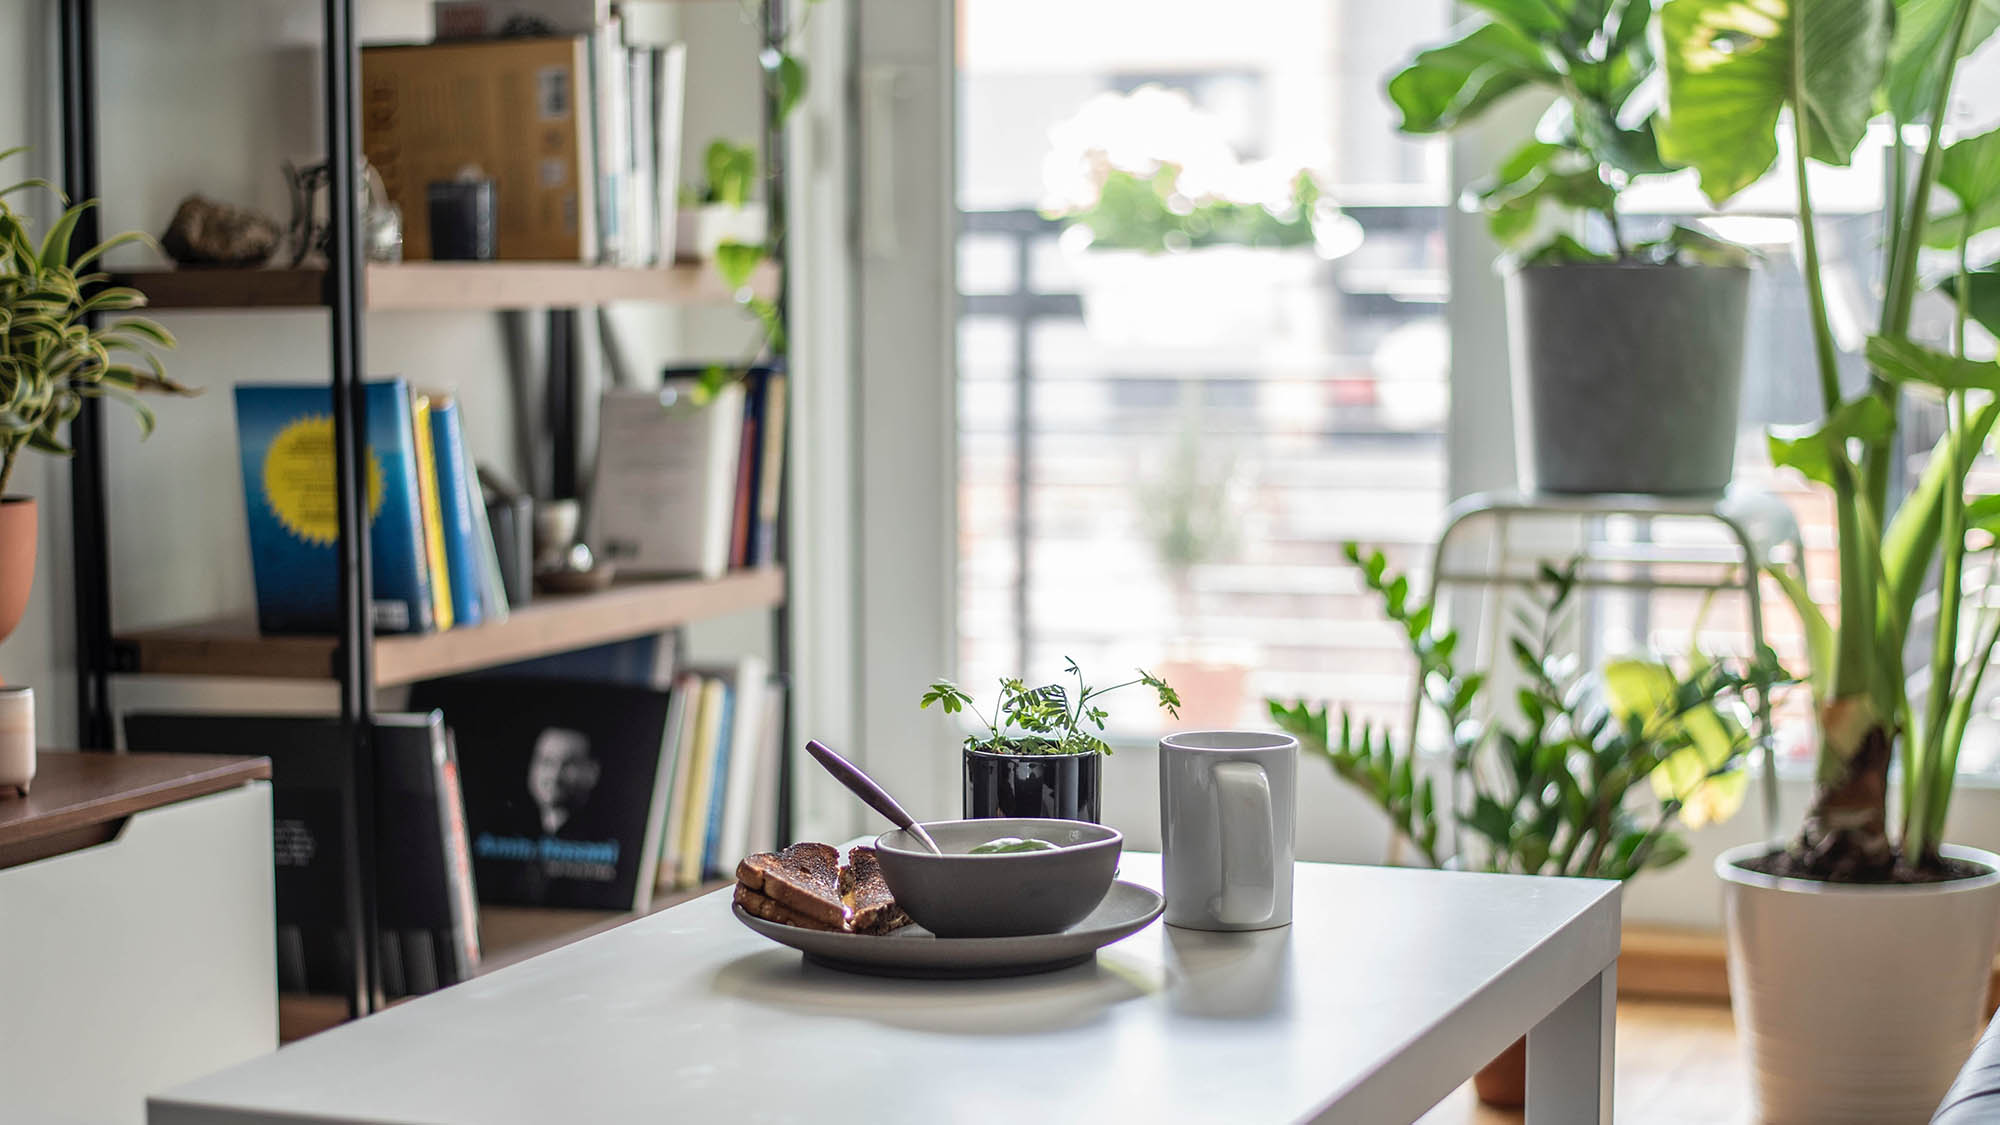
1390 988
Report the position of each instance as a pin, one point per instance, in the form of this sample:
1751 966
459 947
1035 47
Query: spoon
864 787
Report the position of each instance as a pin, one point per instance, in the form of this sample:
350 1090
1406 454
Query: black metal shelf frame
343 300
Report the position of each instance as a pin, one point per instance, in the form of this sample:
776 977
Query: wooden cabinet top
74 790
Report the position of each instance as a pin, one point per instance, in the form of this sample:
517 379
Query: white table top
1388 990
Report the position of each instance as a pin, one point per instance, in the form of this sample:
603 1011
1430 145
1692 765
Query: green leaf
1984 303
1916 53
1564 250
1447 86
1534 18
1812 450
736 262
1733 65
1905 361
791 74
731 170
1820 639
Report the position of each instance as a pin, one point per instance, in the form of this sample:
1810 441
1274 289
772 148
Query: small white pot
17 739
1857 1003
1217 296
702 229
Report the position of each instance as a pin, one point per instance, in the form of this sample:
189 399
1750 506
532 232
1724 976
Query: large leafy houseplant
1626 338
1555 197
1592 775
1748 81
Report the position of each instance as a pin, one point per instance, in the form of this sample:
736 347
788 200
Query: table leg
1569 1056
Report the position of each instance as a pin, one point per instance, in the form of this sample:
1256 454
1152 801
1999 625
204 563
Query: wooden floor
1678 1064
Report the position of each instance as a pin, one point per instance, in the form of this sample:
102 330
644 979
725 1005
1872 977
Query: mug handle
1249 865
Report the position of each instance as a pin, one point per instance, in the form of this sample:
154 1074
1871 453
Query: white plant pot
17 740
1217 296
1857 1003
700 230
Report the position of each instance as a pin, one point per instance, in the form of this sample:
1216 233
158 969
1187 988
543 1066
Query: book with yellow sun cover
285 433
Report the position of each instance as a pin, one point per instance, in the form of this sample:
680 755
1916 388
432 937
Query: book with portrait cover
562 786
285 436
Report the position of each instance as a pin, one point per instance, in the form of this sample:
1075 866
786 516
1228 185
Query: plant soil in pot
1037 753
1626 375
1857 1002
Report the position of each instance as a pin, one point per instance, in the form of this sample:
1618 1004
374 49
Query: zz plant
1555 198
1556 791
52 356
1749 80
1047 719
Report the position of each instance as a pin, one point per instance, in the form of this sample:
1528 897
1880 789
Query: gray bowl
1007 895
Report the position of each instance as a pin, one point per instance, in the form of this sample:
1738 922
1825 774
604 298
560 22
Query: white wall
209 96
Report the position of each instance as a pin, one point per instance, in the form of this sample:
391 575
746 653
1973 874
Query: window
1158 465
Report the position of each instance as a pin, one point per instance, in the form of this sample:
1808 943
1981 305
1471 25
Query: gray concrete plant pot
1626 375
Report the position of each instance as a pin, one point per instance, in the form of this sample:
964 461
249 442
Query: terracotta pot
1858 1003
1503 1083
17 560
1211 694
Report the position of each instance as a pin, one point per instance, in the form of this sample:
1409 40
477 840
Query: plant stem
1906 239
7 463
1824 352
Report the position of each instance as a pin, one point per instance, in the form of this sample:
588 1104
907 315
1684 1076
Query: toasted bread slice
804 879
871 908
754 903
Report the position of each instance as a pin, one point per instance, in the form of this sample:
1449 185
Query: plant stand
1626 542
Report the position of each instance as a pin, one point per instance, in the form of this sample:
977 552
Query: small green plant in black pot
1037 754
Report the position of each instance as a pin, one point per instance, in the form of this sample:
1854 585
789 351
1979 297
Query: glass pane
1203 429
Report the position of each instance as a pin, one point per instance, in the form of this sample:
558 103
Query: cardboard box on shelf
518 110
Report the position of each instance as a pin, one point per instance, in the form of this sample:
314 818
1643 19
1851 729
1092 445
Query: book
493 597
429 505
666 479
763 829
686 820
518 110
642 155
285 440
611 131
687 686
424 891
729 833
743 507
428 931
670 88
709 800
559 778
466 894
770 474
459 529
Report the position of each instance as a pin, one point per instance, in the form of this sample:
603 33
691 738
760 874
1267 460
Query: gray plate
915 952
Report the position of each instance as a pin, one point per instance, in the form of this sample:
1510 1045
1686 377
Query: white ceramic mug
1228 821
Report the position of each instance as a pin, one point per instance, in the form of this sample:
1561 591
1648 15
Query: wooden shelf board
550 624
444 285
508 935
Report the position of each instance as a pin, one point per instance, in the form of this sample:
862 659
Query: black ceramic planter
1051 786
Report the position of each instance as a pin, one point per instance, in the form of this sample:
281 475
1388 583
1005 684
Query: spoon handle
864 787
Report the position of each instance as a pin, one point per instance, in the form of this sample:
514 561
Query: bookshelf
442 286
344 289
551 623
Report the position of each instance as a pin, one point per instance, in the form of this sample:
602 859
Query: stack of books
586 167
686 485
433 557
594 794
